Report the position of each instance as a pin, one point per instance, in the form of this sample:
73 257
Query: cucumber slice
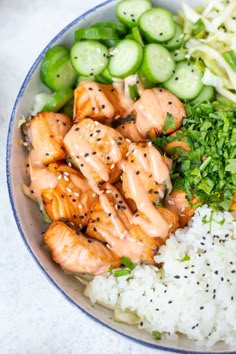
56 71
206 94
104 77
69 108
186 83
158 64
58 100
179 54
95 33
144 81
126 58
137 36
176 41
110 43
89 58
133 92
119 27
157 25
129 11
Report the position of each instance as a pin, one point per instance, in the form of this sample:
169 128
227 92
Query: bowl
26 212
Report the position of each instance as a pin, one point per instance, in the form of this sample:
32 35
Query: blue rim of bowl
8 174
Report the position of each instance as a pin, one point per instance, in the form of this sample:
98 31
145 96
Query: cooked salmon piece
130 131
157 112
151 169
111 221
97 101
177 202
77 253
71 198
96 150
46 132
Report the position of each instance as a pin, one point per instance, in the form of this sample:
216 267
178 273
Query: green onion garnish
156 335
128 263
121 272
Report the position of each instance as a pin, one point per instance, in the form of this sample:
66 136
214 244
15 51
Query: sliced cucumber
95 33
147 84
69 108
176 41
157 25
110 43
104 77
133 92
56 71
179 54
206 94
158 64
119 27
126 58
58 100
89 58
137 36
186 83
129 11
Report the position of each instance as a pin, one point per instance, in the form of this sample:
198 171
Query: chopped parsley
208 170
156 335
169 122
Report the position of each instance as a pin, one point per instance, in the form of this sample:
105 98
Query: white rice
195 297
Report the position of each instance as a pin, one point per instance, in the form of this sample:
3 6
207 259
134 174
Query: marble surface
34 317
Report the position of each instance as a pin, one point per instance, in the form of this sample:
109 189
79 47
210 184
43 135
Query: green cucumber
206 94
158 64
89 58
129 11
120 28
179 54
177 41
126 58
186 83
157 25
56 71
95 33
58 100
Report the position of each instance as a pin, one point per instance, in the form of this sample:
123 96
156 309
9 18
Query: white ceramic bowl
28 217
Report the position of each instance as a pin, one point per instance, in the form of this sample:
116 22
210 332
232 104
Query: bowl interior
27 215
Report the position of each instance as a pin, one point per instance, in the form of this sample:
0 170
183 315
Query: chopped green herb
184 259
110 269
208 170
121 272
169 122
156 335
128 263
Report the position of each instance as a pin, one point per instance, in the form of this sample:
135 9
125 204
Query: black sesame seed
86 155
138 172
99 139
176 276
202 307
94 153
90 89
76 129
94 229
169 102
81 217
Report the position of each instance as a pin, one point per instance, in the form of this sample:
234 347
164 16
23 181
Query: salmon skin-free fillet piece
96 151
71 199
111 222
45 132
157 112
77 253
97 101
152 171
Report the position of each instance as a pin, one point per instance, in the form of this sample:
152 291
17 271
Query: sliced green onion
205 163
121 272
128 263
119 27
156 335
230 58
184 259
199 28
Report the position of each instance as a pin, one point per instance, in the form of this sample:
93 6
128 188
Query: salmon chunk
157 112
97 101
96 150
111 221
151 169
46 132
77 253
71 198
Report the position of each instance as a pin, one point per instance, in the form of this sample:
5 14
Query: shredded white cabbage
219 18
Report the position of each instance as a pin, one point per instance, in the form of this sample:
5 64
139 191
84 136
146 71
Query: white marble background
34 317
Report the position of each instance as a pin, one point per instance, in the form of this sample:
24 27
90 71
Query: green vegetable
121 272
184 259
95 33
199 29
169 123
208 170
128 263
156 335
230 58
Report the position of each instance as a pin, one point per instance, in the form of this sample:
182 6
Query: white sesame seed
59 177
66 173
68 189
80 206
94 195
76 194
108 191
128 141
66 178
112 166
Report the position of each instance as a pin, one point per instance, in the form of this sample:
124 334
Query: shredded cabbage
219 18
